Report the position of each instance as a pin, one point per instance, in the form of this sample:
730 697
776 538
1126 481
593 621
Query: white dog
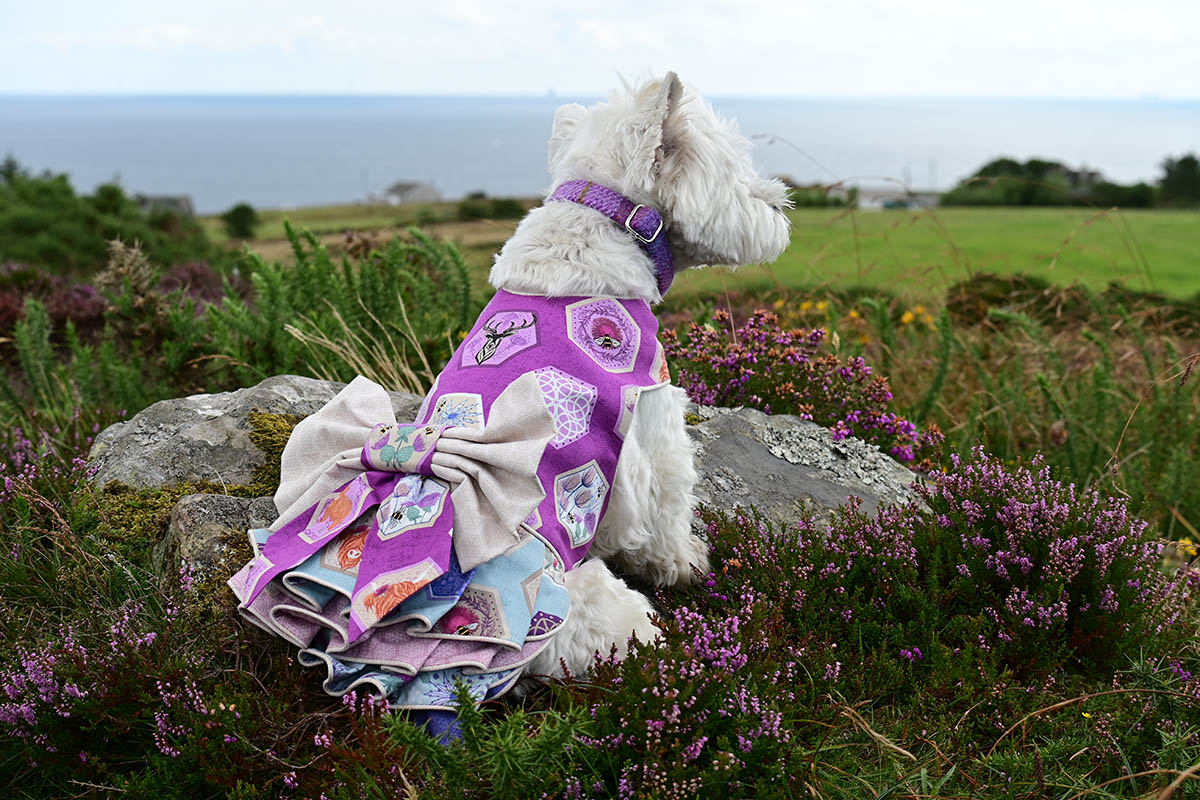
662 146
647 182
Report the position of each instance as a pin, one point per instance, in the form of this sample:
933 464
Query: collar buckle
629 226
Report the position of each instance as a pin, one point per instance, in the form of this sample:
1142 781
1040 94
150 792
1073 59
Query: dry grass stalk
384 361
879 738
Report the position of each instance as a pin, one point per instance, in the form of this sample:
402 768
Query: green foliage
508 756
819 196
240 221
45 224
1005 182
1181 181
146 351
399 308
478 206
386 315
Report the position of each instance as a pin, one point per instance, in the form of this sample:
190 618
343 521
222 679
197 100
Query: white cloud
755 47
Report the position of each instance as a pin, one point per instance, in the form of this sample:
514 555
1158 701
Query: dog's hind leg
647 528
604 612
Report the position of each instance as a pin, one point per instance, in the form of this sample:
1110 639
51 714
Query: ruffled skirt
477 628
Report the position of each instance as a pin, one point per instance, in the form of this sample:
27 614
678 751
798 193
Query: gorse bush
761 365
399 308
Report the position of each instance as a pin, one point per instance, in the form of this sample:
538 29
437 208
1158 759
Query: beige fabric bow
493 471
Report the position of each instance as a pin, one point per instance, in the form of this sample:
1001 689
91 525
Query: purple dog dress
409 557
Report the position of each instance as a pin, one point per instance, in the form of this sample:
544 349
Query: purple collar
644 222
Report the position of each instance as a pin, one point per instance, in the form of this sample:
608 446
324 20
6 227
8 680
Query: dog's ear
650 120
566 118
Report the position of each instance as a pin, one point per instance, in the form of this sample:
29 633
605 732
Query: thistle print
604 329
578 498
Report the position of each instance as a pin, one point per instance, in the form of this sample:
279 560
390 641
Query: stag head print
496 332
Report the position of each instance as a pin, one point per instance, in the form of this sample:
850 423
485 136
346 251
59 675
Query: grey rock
778 464
782 464
206 437
208 531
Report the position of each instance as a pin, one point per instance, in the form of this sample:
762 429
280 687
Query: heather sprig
1048 564
761 365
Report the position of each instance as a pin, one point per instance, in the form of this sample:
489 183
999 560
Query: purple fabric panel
564 361
287 547
402 560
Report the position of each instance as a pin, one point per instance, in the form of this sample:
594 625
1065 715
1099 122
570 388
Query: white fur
662 145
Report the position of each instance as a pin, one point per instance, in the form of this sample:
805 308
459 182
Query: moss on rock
133 520
270 434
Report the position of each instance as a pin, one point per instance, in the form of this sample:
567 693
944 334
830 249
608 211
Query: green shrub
240 221
507 208
43 223
388 316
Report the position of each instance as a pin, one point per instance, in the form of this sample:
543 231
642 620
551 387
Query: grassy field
335 219
915 253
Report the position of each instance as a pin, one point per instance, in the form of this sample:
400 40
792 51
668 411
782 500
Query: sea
291 151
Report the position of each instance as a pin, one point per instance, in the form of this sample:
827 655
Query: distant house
180 204
404 192
896 196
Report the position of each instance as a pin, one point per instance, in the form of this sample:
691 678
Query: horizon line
1148 98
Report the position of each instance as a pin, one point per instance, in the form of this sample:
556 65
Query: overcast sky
850 48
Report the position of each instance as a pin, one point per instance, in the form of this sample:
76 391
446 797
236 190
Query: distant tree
240 221
1006 182
1180 183
1105 194
10 169
1038 182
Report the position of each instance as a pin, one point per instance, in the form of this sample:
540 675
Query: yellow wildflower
806 305
821 306
1187 547
1086 715
907 317
778 304
854 314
